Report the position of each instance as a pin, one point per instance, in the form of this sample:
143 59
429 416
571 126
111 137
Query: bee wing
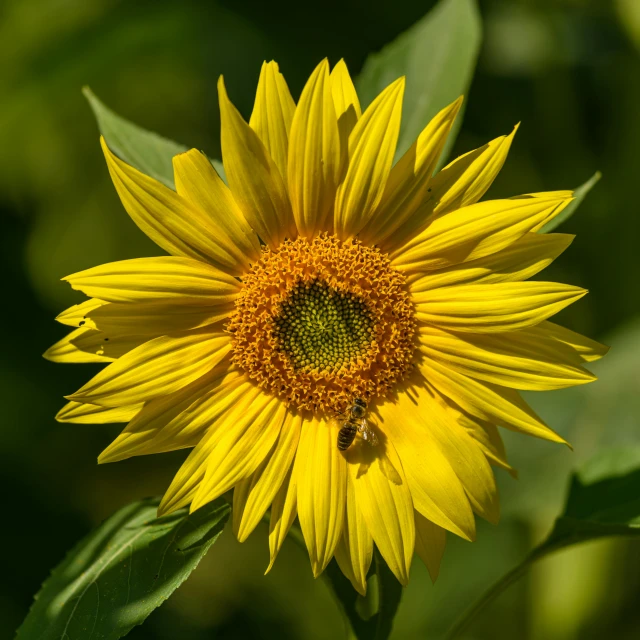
367 433
336 422
370 436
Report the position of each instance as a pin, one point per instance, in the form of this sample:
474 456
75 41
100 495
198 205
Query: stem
494 591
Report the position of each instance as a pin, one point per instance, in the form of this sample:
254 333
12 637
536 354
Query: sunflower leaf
603 501
371 617
118 574
438 56
145 150
578 196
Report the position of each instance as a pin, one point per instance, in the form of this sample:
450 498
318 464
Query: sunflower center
320 322
321 328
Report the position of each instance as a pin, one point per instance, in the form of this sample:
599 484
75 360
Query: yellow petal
519 261
406 188
106 345
197 182
250 407
345 101
430 543
253 495
240 452
474 232
66 351
179 420
157 367
172 222
164 279
283 513
272 114
345 97
156 319
466 179
355 550
253 176
460 450
322 489
493 308
88 345
372 145
383 496
461 183
571 344
544 194
80 413
511 359
76 316
314 155
488 438
435 488
501 406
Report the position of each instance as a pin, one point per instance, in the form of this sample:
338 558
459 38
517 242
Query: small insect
354 422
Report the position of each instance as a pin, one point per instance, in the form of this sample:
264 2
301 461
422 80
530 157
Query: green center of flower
320 328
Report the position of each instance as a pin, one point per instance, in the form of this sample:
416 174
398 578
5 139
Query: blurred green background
568 69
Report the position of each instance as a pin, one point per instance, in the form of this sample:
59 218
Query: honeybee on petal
354 422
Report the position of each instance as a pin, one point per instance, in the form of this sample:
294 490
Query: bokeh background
568 69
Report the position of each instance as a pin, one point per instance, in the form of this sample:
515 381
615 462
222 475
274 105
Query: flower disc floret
320 322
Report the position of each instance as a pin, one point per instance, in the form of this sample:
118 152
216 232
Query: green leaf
438 56
147 151
579 195
370 618
116 576
603 500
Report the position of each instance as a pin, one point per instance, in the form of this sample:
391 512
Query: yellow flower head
334 336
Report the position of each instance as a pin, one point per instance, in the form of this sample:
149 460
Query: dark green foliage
438 56
116 576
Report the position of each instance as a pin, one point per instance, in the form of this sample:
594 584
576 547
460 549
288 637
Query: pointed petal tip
110 454
105 148
318 567
456 105
104 459
163 510
272 561
242 534
196 504
222 90
402 575
399 84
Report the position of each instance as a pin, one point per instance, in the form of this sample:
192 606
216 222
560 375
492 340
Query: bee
354 422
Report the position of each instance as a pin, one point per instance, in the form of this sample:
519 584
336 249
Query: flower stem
496 589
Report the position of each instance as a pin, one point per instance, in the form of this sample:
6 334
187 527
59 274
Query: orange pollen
321 322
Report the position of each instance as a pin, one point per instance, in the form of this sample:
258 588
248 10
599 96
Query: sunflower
319 274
